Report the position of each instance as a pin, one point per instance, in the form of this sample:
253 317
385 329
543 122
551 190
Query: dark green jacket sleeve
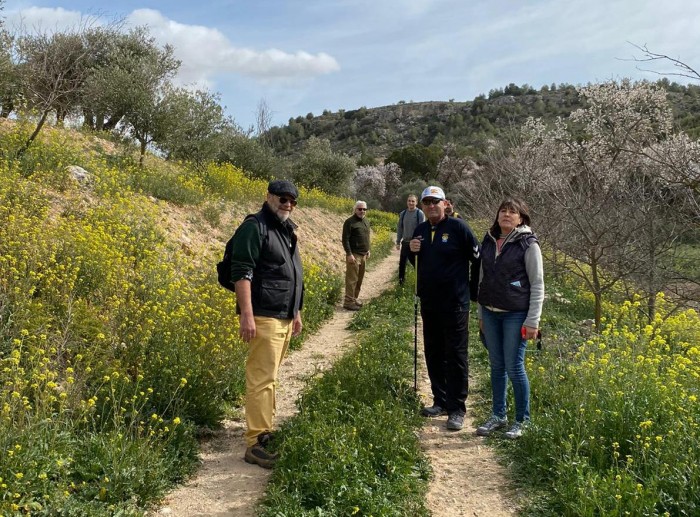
346 236
246 250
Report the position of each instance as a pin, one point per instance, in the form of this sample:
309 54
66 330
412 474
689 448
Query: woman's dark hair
517 205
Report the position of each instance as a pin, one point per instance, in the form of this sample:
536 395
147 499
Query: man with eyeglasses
266 269
447 263
356 240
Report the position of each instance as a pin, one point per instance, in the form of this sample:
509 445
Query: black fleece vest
504 283
276 289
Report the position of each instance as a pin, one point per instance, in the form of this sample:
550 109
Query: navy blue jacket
446 281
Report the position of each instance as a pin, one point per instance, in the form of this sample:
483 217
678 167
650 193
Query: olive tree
193 123
127 84
319 166
52 72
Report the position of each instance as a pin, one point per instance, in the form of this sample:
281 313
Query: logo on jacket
445 237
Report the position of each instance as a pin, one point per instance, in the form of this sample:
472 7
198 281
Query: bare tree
263 123
680 69
595 193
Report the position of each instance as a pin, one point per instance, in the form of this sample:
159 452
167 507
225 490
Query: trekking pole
415 333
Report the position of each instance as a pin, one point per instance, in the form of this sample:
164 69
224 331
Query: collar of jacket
515 234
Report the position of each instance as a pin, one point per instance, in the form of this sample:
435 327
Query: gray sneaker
516 430
455 421
492 424
432 411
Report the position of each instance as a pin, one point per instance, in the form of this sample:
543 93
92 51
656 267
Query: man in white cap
447 253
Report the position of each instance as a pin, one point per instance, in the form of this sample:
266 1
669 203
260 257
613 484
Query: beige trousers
265 355
354 273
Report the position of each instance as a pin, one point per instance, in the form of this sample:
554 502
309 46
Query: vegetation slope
116 342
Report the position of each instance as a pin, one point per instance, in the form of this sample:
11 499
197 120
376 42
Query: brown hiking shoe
259 455
351 307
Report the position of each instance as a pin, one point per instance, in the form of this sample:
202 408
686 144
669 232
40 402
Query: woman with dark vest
511 293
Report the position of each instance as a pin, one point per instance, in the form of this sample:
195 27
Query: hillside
379 131
116 342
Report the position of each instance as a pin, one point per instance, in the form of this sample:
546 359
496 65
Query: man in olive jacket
266 269
356 245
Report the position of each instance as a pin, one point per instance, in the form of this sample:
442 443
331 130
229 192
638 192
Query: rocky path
225 485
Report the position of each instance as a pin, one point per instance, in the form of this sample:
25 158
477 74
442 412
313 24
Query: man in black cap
266 269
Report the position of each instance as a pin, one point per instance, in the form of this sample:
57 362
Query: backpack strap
262 226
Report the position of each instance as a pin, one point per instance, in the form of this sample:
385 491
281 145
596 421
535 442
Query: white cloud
205 52
41 19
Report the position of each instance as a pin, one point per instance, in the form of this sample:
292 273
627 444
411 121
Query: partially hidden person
267 271
511 294
447 265
450 209
409 219
356 243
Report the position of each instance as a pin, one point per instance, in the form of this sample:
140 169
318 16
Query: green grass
115 343
352 449
615 416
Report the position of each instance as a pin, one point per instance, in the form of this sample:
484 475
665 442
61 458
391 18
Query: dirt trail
227 486
467 478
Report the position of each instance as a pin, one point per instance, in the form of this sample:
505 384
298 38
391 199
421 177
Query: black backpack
223 268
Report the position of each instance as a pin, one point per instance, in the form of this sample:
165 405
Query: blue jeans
507 358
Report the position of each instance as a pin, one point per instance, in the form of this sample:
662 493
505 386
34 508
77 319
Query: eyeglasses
285 200
361 209
431 201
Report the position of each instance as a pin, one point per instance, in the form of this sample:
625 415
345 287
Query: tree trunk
597 294
33 136
88 119
143 152
651 306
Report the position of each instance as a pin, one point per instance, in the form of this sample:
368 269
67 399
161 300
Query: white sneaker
516 431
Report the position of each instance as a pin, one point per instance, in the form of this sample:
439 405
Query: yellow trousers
354 273
265 355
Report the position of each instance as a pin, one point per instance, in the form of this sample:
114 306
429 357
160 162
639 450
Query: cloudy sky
302 56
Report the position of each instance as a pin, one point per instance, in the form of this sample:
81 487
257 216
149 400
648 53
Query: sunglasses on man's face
431 201
361 209
285 200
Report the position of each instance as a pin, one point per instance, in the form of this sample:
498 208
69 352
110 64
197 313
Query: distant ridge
378 131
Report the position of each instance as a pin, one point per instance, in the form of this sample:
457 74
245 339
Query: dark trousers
445 336
405 255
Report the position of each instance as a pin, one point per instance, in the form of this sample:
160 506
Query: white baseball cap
434 192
